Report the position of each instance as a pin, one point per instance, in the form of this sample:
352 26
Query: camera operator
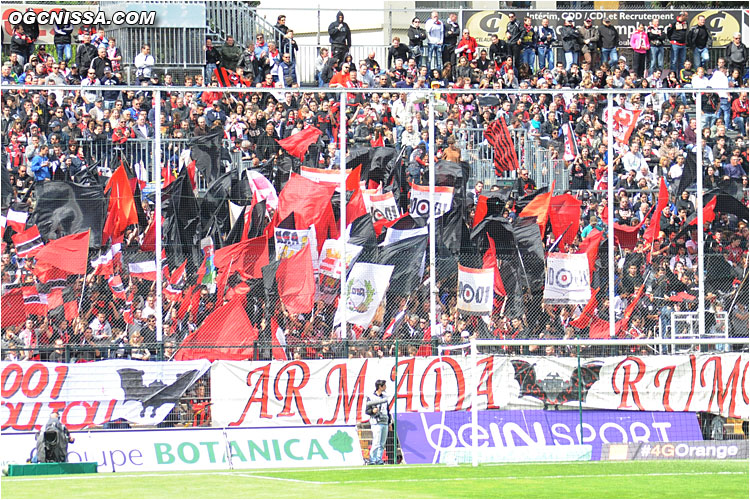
380 421
52 441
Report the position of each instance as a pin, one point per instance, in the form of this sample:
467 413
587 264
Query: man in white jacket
435 29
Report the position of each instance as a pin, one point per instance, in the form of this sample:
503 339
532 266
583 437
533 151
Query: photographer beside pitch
380 421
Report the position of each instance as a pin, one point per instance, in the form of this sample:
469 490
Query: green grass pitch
640 479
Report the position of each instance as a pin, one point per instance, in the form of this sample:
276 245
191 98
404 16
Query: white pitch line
110 475
283 479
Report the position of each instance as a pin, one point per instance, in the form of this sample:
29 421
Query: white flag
330 266
290 241
567 280
623 123
475 289
364 291
383 206
419 203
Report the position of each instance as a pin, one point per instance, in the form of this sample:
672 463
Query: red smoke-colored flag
709 213
503 149
278 340
227 325
587 314
297 144
564 217
296 281
68 254
590 246
652 231
121 212
480 211
28 243
356 207
627 236
246 257
539 208
490 262
352 180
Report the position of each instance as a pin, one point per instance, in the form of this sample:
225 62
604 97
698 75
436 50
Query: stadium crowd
59 135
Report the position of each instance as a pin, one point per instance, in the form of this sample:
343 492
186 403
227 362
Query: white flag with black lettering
567 280
383 206
363 293
419 202
475 290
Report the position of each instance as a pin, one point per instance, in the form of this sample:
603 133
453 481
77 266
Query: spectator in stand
736 54
435 31
101 62
677 36
417 35
115 55
85 53
467 47
513 32
546 36
213 58
340 37
451 33
321 61
230 54
144 63
699 39
289 45
282 29
63 40
247 62
640 45
286 72
397 50
99 39
590 36
656 40
571 43
529 42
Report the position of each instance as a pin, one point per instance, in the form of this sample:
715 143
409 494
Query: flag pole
157 214
699 209
433 229
342 201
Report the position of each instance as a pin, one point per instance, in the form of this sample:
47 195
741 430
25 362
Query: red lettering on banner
408 375
14 411
717 385
31 425
62 372
693 375
628 384
41 383
460 383
110 410
486 377
91 408
13 368
57 406
745 398
343 398
262 386
667 385
292 391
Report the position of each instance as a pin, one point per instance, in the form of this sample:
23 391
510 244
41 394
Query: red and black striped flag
28 242
228 78
33 302
498 136
63 303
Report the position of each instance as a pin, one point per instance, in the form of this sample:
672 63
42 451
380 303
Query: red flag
28 243
117 287
480 212
587 314
590 246
104 265
504 151
627 236
247 257
16 220
121 212
539 208
652 231
296 281
228 78
352 180
565 216
311 203
297 144
278 339
622 325
599 329
227 325
356 207
69 254
490 262
708 213
14 312
144 269
173 291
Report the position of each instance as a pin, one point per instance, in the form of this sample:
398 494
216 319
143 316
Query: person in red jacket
739 113
467 46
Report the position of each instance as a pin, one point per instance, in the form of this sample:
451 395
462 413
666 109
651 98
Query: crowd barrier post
611 214
699 213
433 232
342 214
156 165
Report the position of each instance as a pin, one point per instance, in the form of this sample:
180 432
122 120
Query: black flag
181 224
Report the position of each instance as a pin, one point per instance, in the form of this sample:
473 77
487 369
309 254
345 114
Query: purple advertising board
424 435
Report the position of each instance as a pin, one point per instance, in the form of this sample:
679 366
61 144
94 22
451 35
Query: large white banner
323 175
89 394
202 448
364 291
567 280
475 288
419 200
328 392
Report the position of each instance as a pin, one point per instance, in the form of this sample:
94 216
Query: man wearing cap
109 96
590 35
677 36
